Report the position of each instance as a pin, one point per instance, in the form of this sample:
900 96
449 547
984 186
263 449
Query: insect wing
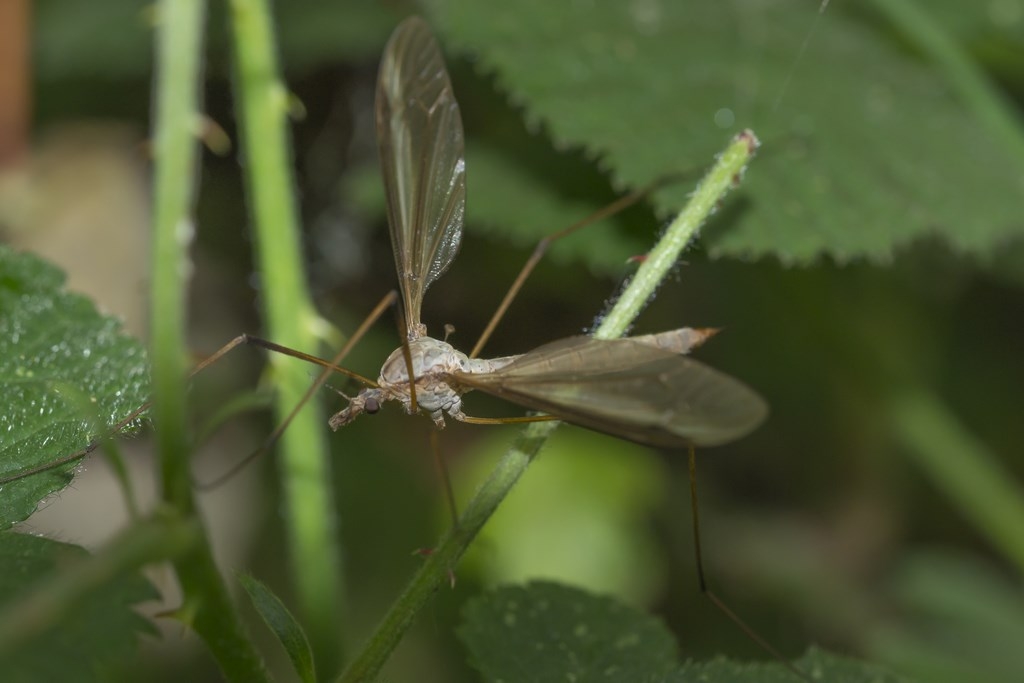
628 389
422 153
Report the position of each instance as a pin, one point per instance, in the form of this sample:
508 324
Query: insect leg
469 419
444 475
538 252
715 600
329 367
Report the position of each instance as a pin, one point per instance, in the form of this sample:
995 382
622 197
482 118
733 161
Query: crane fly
638 388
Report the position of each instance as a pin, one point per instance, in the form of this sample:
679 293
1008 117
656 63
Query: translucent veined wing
628 389
422 154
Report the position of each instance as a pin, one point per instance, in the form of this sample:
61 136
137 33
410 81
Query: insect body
639 388
436 367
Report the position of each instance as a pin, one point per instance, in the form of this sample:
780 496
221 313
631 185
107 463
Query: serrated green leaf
865 149
67 374
817 664
548 632
283 624
97 637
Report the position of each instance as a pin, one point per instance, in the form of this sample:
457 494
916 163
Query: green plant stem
164 536
660 260
968 80
316 563
178 67
963 467
179 41
440 564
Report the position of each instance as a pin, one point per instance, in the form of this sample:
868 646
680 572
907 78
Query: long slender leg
442 468
469 419
444 475
329 367
715 600
542 247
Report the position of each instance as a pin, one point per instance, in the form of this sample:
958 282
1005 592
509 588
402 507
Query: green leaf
93 640
548 632
817 664
865 148
67 374
283 624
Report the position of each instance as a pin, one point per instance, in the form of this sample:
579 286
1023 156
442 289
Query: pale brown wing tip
680 341
702 334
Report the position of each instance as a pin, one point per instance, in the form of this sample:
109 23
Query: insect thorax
430 358
433 364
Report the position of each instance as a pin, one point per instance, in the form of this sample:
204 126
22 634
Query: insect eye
371 406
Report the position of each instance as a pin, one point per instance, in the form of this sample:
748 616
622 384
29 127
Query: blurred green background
867 274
